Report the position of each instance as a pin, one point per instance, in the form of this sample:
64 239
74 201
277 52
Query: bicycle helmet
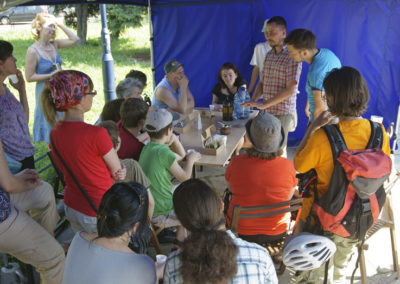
306 251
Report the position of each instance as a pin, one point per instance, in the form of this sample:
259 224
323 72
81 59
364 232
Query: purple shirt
14 131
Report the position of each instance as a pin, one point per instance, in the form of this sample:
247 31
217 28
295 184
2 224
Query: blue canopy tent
205 34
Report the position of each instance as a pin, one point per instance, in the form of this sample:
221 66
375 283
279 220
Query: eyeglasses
93 93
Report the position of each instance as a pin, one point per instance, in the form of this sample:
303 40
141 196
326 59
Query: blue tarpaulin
364 34
205 34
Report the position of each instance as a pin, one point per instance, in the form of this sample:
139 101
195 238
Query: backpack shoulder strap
376 138
336 139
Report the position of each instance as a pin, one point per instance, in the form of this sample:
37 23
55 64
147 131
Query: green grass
131 51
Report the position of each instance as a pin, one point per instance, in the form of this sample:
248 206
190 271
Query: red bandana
68 88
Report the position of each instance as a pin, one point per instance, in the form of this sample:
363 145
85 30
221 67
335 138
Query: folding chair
275 247
154 238
386 220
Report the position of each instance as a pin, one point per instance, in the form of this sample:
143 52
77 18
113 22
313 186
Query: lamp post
108 62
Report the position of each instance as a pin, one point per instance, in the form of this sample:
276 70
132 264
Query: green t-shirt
156 159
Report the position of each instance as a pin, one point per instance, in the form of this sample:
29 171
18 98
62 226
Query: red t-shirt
82 147
131 147
254 182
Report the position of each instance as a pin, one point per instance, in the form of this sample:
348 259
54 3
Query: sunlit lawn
131 51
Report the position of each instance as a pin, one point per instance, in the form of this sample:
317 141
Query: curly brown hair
209 254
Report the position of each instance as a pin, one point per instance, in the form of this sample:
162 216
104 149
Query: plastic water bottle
241 112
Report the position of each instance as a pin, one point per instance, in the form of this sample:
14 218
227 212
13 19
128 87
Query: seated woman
105 257
229 82
14 114
29 237
127 88
87 150
210 254
259 177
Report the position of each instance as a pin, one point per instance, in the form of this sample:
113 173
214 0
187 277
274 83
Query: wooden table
192 139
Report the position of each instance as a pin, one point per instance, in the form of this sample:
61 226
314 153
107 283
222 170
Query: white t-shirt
260 50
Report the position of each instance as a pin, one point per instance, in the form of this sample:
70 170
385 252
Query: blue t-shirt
323 62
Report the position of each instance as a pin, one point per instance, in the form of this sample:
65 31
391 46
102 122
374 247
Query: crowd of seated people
118 174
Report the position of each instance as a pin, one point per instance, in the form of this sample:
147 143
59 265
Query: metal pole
108 62
153 71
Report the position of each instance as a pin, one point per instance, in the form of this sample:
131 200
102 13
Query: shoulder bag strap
336 140
376 138
73 177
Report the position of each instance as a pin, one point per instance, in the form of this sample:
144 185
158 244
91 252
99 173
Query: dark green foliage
121 16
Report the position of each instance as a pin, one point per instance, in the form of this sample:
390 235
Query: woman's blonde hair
39 20
48 106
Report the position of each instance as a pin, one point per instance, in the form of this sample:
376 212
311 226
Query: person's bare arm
70 41
307 109
177 147
254 76
257 92
31 61
20 87
190 100
23 181
184 173
325 118
164 95
118 171
282 95
214 99
142 137
320 105
151 204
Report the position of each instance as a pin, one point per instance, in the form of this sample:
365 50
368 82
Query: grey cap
157 120
265 133
172 66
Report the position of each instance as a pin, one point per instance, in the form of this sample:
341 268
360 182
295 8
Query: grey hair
125 87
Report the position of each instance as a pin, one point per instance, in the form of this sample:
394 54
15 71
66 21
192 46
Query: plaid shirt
253 262
280 69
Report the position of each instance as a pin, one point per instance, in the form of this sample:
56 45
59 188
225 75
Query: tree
120 17
77 16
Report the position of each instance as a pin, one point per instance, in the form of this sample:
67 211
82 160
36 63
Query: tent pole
108 62
153 71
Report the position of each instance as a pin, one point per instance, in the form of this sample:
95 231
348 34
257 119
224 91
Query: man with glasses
301 44
280 77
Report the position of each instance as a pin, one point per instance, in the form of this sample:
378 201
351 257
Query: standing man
280 77
173 91
260 50
301 44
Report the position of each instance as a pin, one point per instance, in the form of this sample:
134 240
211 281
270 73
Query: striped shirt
279 69
253 262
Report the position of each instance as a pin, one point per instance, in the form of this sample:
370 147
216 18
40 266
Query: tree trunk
82 15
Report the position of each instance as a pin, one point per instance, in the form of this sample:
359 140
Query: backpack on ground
355 195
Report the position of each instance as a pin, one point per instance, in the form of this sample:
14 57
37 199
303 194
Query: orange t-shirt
254 182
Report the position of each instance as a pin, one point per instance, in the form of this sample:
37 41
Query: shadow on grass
124 54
